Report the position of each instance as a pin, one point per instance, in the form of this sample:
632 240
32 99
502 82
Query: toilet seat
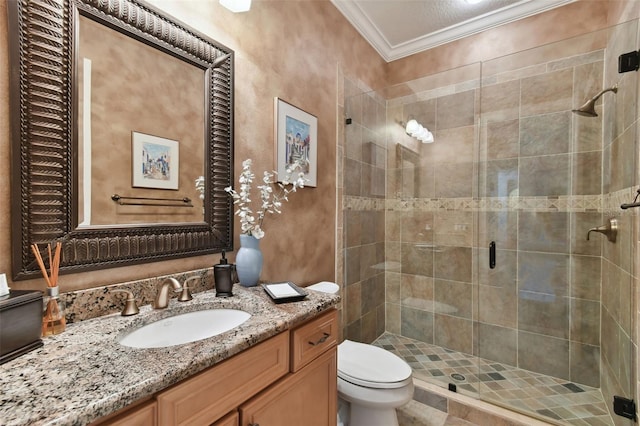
372 367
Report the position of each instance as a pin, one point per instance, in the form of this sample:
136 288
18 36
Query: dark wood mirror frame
43 36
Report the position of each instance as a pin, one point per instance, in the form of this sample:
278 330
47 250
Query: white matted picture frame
155 162
296 135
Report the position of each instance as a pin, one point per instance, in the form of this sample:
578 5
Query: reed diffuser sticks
53 321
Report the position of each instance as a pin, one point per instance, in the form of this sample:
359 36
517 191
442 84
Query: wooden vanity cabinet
289 379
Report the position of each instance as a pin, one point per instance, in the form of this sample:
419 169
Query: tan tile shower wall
539 190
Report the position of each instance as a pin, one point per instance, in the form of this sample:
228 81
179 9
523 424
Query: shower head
589 107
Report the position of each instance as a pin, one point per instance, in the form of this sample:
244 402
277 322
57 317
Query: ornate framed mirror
85 134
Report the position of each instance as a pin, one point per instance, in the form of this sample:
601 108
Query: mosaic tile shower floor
545 397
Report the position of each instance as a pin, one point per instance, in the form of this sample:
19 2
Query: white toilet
373 382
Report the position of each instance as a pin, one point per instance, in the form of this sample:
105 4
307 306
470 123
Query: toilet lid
325 287
371 366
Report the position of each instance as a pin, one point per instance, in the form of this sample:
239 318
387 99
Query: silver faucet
162 298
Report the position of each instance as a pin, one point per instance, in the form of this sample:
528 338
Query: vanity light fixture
472 1
418 131
236 6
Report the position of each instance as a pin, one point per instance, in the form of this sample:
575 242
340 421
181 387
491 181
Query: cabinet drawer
313 338
213 393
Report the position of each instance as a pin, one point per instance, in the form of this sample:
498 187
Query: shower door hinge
629 62
624 407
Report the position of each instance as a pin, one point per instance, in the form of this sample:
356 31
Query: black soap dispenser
222 275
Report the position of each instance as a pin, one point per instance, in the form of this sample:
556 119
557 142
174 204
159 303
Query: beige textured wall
163 96
286 49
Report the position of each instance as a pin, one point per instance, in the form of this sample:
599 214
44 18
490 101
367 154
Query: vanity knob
130 306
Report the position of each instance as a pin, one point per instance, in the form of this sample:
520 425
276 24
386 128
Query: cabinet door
308 397
208 396
231 419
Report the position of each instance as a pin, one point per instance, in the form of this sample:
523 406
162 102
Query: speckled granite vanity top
84 373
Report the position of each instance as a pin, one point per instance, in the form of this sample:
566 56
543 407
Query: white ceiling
399 28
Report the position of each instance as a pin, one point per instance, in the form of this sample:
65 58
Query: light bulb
428 138
412 127
237 5
416 132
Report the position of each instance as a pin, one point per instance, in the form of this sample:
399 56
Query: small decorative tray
284 292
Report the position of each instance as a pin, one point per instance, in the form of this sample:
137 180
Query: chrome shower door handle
610 230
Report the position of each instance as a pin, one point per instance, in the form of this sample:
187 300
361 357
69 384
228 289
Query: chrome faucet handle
130 306
185 296
610 230
163 296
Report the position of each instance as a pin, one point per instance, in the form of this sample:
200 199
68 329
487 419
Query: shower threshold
548 398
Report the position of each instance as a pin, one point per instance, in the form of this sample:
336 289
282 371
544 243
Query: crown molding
368 29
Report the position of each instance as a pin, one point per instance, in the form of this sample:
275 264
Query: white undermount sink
184 328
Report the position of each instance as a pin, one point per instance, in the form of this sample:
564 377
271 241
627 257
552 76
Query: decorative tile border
609 203
362 203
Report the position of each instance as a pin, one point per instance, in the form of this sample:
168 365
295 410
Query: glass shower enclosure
469 256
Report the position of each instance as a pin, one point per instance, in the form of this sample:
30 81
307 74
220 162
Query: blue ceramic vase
249 261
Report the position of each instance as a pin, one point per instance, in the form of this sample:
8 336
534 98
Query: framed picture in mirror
155 162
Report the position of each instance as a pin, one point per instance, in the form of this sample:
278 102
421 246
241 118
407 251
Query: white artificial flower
200 186
258 232
270 200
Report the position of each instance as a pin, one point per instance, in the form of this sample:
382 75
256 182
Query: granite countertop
83 373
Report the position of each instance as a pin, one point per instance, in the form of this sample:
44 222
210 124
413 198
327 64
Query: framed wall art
156 162
296 134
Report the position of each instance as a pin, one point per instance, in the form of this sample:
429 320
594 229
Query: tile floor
547 398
